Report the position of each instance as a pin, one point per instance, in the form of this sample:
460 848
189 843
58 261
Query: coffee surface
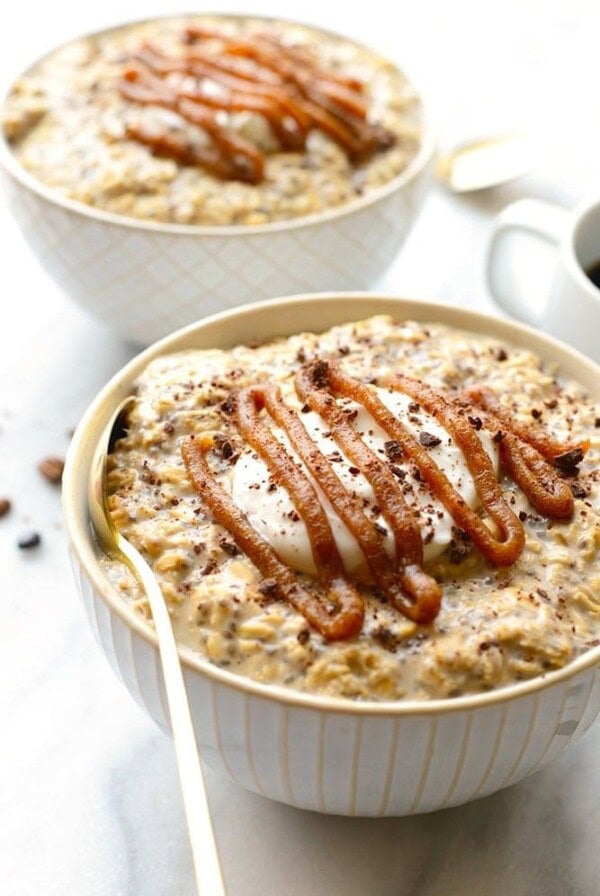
593 273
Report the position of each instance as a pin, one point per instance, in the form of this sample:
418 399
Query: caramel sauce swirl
333 604
411 591
229 157
288 63
281 84
286 118
337 615
500 551
529 455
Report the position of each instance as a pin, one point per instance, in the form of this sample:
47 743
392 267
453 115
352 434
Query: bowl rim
84 550
415 167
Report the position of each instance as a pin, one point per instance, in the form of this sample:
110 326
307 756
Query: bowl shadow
529 839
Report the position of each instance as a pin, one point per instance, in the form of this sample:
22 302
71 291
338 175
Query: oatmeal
213 120
383 511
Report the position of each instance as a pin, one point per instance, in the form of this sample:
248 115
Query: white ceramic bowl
143 278
320 753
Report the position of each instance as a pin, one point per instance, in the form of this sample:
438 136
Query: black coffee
594 273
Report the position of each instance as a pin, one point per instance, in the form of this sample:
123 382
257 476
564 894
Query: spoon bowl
106 531
209 881
484 163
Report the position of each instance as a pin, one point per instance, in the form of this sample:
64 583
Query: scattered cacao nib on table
29 540
5 507
51 469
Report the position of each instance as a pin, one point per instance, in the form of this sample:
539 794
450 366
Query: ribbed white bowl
144 279
327 754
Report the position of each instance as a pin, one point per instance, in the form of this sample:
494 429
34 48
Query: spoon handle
209 880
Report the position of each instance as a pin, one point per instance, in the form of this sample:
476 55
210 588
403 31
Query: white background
89 803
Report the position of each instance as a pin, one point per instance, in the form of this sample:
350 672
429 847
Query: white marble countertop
89 799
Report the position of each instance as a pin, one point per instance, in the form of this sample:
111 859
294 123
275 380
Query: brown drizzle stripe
286 118
279 64
234 156
548 494
326 98
282 84
403 581
334 607
543 442
249 403
338 614
314 84
527 454
172 147
344 93
503 551
231 65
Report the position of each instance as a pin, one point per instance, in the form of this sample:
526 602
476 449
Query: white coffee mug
547 285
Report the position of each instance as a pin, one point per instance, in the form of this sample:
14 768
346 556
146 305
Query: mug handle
505 279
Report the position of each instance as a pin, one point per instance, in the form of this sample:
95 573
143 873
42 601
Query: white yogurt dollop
271 512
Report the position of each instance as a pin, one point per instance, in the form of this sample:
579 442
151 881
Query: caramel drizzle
333 103
409 589
280 63
230 157
335 607
286 118
500 551
527 455
338 618
284 86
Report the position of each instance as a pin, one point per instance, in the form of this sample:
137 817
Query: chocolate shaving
428 440
458 552
319 374
268 588
386 638
569 461
228 547
228 406
393 450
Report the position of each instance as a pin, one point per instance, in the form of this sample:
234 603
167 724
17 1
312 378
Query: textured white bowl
321 753
144 279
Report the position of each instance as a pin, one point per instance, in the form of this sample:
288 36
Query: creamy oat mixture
67 121
496 625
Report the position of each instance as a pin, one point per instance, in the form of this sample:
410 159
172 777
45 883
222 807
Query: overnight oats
214 121
383 511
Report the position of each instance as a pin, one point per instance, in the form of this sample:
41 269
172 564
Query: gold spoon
209 881
485 163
